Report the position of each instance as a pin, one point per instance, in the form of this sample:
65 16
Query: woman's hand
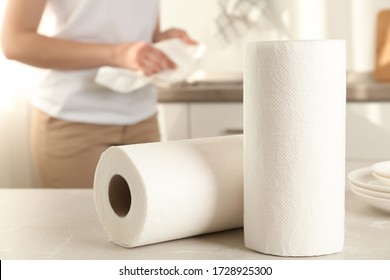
174 33
142 56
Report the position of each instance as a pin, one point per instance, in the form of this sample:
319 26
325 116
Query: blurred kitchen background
211 103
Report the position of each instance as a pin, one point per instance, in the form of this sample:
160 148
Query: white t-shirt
73 95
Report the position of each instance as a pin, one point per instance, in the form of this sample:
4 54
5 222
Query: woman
74 119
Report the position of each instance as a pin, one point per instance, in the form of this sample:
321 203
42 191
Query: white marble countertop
63 224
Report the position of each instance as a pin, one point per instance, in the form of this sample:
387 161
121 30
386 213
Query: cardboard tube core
119 195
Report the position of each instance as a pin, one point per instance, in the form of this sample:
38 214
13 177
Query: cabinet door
368 131
173 121
215 119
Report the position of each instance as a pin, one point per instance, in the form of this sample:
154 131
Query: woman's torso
73 95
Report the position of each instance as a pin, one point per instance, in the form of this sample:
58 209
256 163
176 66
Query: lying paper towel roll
294 125
149 193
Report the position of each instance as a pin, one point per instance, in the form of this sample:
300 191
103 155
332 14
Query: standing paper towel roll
294 125
149 193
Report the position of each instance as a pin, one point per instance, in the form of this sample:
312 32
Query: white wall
352 20
15 161
197 17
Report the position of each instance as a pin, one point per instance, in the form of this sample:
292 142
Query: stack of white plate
372 184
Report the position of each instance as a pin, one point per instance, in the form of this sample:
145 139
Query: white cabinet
196 120
173 121
215 119
367 133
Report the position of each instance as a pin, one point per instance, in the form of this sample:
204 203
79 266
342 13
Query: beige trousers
66 153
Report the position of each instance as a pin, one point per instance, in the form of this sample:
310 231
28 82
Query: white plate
370 192
385 181
382 169
380 203
364 178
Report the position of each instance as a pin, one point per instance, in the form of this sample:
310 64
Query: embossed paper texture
150 193
294 147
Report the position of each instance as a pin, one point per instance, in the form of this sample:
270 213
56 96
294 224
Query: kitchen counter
361 87
63 224
229 92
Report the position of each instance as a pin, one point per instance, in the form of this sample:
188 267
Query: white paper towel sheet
185 56
294 126
149 193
